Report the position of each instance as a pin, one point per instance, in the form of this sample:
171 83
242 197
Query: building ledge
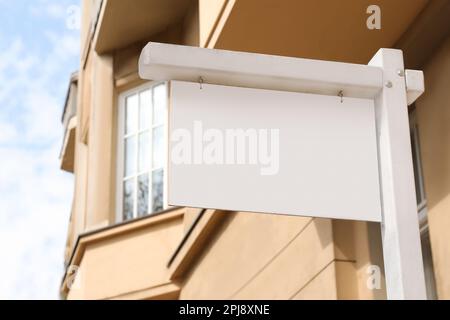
166 291
118 244
67 156
272 26
69 122
122 23
195 241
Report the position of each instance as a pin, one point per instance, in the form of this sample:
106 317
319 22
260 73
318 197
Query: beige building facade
123 242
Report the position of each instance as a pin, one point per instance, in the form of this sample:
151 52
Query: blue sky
39 49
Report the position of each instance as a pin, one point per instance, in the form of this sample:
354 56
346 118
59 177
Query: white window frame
121 149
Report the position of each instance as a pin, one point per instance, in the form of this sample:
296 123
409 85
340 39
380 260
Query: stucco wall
433 116
262 256
117 263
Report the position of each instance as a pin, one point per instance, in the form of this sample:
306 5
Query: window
142 151
422 209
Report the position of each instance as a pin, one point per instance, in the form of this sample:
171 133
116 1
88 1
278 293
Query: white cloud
34 204
49 9
8 58
35 196
40 109
56 10
7 132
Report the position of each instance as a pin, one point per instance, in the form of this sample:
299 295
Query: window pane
142 195
157 190
158 147
160 102
144 152
128 199
145 109
130 156
131 114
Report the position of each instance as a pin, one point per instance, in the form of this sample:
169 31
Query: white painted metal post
400 225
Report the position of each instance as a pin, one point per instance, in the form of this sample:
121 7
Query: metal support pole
400 224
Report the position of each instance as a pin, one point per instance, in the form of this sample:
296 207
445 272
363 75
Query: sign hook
341 95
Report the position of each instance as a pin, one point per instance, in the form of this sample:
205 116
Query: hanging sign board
283 135
245 149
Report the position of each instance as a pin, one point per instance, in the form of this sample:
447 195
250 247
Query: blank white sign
327 152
